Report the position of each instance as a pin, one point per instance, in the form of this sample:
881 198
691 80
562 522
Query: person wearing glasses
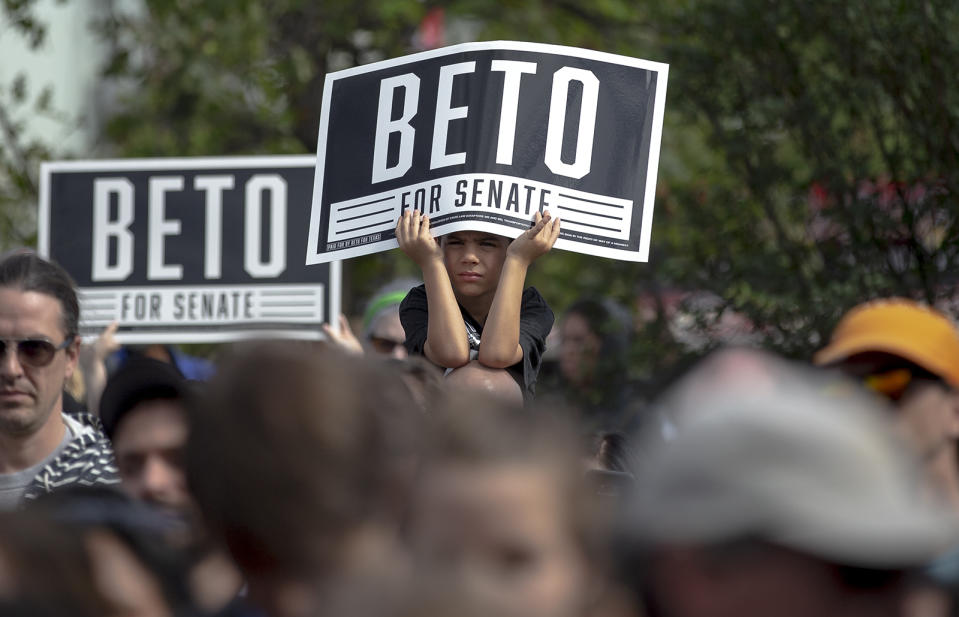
41 448
909 354
383 334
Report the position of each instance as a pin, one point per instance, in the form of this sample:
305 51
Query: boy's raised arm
500 346
446 343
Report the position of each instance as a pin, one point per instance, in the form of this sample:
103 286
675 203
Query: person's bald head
496 383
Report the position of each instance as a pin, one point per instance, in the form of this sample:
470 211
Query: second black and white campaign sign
187 250
481 136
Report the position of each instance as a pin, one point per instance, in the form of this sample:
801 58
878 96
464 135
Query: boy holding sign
476 278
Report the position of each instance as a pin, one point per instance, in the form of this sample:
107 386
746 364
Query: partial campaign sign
188 249
481 136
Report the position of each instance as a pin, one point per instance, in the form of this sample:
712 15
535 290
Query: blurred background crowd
295 479
808 155
737 428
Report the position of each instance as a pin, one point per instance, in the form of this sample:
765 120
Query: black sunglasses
35 352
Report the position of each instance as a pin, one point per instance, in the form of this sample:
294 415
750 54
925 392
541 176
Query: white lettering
160 227
385 126
513 74
557 122
445 114
104 229
253 258
213 186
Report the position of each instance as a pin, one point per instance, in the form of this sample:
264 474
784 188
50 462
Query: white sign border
314 257
220 334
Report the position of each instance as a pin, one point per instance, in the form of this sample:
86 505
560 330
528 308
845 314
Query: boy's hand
538 240
413 234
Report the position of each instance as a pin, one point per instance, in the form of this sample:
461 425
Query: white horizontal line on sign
288 292
287 315
509 196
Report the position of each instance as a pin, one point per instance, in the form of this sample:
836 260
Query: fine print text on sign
483 135
188 249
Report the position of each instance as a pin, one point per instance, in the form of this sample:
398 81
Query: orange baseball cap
900 327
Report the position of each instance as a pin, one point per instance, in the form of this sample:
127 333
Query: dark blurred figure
610 451
299 458
46 571
610 465
193 368
593 367
144 409
787 495
501 512
134 559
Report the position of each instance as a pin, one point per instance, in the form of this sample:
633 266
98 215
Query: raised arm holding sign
472 309
481 136
188 250
471 144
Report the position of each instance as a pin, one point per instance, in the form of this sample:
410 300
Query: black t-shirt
535 322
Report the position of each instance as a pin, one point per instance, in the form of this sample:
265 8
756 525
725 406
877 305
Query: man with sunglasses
909 354
41 448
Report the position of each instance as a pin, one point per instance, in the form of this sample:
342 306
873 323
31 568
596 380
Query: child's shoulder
532 296
534 305
415 296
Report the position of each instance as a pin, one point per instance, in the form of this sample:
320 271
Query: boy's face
474 260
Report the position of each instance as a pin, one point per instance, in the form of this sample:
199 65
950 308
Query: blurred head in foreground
297 458
499 511
143 409
133 549
46 570
792 500
593 360
909 354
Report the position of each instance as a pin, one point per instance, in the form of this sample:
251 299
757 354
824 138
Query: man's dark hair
322 438
27 271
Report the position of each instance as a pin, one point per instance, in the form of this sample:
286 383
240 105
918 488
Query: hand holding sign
535 242
186 250
479 136
415 239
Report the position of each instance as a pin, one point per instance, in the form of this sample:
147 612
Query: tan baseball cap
900 327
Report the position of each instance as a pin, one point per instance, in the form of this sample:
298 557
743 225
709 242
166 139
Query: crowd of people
415 469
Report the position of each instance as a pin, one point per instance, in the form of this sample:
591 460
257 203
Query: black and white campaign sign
188 249
481 136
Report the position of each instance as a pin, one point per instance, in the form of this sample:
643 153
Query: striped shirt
87 460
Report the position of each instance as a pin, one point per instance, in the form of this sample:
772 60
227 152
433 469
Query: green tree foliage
818 144
808 160
239 76
21 153
245 77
